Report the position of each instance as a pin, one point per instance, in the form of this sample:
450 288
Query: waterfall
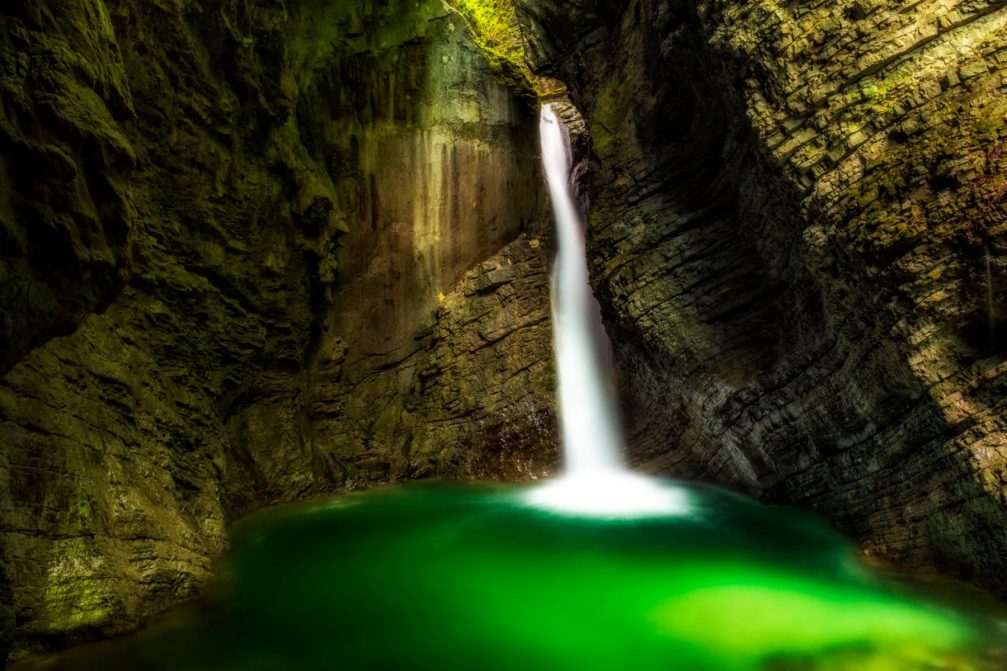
592 441
595 479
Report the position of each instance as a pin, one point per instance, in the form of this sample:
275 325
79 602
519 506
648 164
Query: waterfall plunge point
595 480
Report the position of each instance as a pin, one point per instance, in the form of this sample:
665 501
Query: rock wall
250 251
798 237
255 250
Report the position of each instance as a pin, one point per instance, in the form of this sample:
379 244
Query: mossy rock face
211 246
65 206
495 27
798 240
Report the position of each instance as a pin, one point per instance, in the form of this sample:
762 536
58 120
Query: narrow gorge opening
603 561
304 335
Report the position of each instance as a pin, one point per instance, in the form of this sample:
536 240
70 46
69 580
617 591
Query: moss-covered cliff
249 251
798 235
257 249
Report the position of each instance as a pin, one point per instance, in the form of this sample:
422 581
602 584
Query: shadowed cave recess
257 251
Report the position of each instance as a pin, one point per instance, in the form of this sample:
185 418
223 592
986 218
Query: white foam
611 495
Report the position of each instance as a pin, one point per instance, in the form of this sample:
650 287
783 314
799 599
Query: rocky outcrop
256 250
798 237
249 251
65 202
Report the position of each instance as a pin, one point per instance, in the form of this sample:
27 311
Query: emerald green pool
468 577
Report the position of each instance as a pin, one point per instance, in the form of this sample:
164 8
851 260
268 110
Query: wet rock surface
236 268
797 235
258 250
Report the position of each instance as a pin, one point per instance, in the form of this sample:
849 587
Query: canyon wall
256 250
799 237
249 252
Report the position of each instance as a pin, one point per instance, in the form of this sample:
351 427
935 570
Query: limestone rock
794 208
234 246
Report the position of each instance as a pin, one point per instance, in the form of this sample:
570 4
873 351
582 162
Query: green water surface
469 577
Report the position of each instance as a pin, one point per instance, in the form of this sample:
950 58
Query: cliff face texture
799 237
260 249
249 251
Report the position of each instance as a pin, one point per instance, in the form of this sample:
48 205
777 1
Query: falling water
595 479
591 436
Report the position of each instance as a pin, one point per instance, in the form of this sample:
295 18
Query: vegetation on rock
219 283
495 26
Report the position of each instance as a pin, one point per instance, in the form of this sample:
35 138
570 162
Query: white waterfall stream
595 479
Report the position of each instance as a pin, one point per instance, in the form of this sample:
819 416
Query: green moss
494 25
74 596
608 119
889 96
990 121
495 22
78 514
881 229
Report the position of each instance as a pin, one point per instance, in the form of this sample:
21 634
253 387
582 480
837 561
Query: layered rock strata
798 237
249 252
